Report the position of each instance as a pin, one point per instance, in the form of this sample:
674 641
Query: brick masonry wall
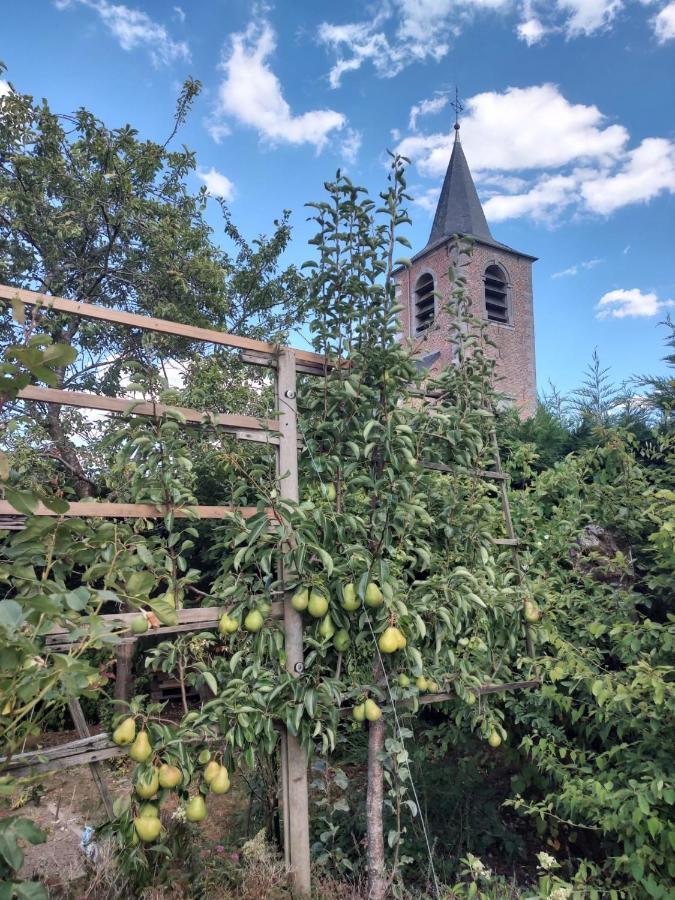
515 370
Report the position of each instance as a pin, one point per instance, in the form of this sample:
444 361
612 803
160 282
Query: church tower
499 282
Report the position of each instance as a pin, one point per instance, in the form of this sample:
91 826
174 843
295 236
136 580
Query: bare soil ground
67 801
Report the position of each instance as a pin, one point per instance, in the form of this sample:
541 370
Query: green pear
421 683
359 712
318 605
391 640
204 757
494 739
221 783
532 612
147 828
195 811
329 492
169 776
253 621
374 596
326 628
125 732
227 624
372 710
341 640
139 624
147 784
350 599
432 687
149 809
141 749
403 680
300 599
211 771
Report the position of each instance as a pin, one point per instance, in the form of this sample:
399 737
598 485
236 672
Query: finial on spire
458 107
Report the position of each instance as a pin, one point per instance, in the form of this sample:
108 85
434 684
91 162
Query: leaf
212 683
56 504
326 559
11 614
24 502
140 583
18 310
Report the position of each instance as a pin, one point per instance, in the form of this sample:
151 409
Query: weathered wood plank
197 619
105 510
262 430
264 349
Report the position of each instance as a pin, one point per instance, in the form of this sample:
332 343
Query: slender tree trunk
377 882
67 452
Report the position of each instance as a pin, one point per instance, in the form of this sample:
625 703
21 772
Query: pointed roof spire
459 210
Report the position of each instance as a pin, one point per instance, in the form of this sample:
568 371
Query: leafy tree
102 216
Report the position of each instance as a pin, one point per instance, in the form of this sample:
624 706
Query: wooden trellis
280 433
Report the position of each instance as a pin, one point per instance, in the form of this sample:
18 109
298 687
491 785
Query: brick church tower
499 281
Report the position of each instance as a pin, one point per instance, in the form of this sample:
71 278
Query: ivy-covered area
562 790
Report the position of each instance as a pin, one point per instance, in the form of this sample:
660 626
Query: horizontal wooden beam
99 746
458 470
104 510
200 618
506 542
246 427
265 350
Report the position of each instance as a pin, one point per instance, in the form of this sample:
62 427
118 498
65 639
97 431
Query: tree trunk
377 882
67 452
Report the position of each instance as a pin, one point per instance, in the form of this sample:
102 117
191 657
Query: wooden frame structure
282 434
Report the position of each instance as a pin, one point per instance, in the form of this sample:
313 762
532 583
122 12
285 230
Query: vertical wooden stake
124 679
80 724
294 761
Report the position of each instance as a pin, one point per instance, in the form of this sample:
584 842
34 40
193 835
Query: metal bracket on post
293 759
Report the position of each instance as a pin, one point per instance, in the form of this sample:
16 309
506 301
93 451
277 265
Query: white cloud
427 199
648 171
217 184
403 32
588 16
251 94
664 24
544 130
426 108
531 31
179 12
621 304
4 88
559 157
578 267
134 28
350 145
544 201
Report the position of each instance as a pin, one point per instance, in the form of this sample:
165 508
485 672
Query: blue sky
569 127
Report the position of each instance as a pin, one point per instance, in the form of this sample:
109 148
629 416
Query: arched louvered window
496 295
425 303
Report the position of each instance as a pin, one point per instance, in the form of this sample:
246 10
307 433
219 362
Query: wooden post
294 761
80 724
124 670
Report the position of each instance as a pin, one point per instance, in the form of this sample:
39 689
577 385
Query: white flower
561 893
547 862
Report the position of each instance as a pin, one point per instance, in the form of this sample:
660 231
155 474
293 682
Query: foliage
12 830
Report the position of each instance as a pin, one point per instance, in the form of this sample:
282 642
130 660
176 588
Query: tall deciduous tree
100 215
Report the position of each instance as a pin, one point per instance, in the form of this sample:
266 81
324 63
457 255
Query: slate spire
459 210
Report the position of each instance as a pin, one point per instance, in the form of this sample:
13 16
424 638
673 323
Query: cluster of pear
253 621
367 710
147 824
316 604
391 640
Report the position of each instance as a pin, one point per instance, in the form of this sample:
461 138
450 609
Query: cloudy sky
569 126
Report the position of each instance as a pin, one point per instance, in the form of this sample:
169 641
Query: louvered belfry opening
496 298
425 303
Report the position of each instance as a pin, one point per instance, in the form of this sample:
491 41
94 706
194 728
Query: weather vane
458 107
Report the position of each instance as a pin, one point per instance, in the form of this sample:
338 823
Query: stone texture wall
515 368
